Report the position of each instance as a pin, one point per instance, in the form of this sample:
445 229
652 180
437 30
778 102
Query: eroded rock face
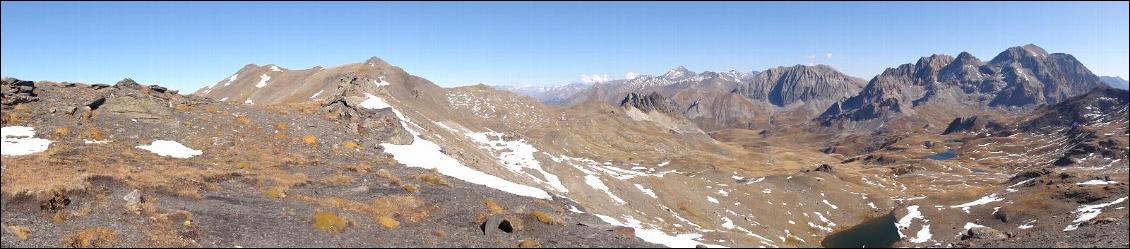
134 104
1024 76
648 103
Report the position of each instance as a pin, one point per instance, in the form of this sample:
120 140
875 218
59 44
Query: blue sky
189 45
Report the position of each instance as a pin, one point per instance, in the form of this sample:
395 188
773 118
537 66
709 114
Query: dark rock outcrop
649 103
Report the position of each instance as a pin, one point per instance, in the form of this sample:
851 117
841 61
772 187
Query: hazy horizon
186 46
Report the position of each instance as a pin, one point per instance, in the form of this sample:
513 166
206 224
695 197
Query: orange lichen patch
546 218
211 109
19 231
101 237
281 126
329 222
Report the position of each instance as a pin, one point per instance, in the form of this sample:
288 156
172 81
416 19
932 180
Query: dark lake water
947 155
877 232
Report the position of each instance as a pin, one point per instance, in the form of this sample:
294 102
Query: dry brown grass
242 119
211 109
433 180
277 192
546 218
339 179
362 168
393 180
62 132
183 108
329 222
528 244
351 145
100 237
19 231
410 188
310 139
406 208
281 126
93 134
387 222
493 207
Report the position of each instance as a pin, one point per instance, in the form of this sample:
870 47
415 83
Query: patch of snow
711 199
262 81
646 191
316 94
1088 212
249 102
426 154
767 191
516 156
983 200
597 184
231 79
88 141
275 68
659 237
224 99
380 81
830 204
170 149
21 140
664 163
1096 182
575 209
1027 225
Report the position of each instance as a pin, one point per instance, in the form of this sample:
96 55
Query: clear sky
189 45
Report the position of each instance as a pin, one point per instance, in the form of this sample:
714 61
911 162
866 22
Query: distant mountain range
1116 82
1019 77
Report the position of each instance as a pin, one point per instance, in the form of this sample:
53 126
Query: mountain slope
1024 77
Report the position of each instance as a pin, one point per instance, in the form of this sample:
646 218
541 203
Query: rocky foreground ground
290 176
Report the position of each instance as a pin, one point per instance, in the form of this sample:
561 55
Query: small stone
134 197
983 233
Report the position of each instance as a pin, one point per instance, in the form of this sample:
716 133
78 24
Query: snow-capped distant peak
631 75
678 73
595 78
275 68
